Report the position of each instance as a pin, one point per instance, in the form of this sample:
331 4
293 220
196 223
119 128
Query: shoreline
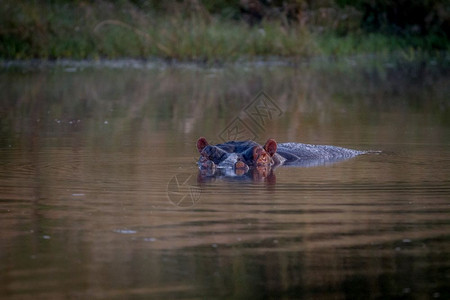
441 61
99 30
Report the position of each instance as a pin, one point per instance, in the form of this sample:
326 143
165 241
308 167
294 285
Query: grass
102 30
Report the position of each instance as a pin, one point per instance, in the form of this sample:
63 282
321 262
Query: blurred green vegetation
220 30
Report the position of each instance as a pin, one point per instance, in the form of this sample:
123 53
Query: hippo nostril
240 165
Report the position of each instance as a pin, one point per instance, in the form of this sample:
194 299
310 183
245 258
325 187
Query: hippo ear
271 147
201 143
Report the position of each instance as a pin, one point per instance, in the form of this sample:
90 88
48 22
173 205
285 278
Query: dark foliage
404 17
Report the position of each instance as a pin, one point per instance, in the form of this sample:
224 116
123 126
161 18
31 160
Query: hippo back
298 154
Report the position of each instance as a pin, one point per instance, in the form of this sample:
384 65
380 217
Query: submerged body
298 154
242 155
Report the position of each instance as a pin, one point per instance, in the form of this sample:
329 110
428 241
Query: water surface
90 208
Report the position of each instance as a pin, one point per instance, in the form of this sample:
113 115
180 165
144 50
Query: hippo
243 155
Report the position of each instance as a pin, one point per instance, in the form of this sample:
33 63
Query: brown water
90 208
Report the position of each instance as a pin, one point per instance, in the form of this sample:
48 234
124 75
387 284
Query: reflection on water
100 195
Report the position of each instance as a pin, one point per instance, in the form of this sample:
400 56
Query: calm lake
101 197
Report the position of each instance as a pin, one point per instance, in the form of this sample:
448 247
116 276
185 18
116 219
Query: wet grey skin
307 155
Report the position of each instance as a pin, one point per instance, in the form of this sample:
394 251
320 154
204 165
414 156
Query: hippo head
255 156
